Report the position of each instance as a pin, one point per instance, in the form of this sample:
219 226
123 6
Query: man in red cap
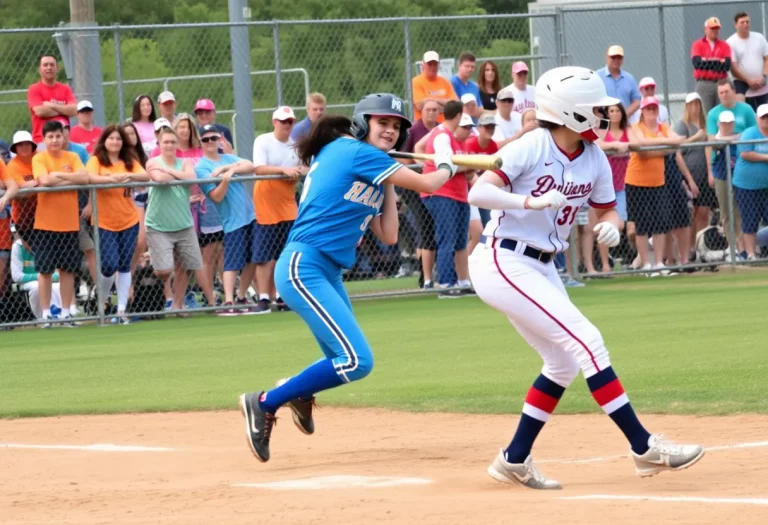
524 94
205 112
711 59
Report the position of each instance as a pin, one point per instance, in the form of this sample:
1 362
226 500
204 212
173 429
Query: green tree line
342 60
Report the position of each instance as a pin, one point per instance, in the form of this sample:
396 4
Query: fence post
241 79
731 233
119 76
97 252
408 94
278 69
663 39
559 37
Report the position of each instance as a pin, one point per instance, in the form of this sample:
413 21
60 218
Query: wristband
448 169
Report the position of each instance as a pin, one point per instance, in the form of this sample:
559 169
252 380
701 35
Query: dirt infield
428 469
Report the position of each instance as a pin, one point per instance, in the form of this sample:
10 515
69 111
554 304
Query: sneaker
68 322
262 307
55 310
168 305
570 282
281 306
258 425
302 411
244 302
49 318
228 310
190 301
525 474
450 294
467 292
665 455
429 286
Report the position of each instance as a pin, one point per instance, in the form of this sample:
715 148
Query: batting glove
443 161
607 234
551 199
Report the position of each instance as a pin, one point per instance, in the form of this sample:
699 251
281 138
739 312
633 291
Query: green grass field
694 345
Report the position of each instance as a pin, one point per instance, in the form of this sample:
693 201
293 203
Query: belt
529 251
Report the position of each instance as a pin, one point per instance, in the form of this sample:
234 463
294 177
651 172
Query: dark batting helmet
380 104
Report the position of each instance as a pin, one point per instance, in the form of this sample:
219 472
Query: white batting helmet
568 95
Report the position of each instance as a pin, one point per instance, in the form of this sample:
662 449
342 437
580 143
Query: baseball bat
478 162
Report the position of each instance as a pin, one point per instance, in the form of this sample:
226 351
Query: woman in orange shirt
115 162
646 196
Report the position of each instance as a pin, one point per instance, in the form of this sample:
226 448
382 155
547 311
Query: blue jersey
342 193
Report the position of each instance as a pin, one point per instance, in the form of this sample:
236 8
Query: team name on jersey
569 189
362 193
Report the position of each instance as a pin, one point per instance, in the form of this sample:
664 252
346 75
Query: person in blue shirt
462 83
349 187
750 181
618 82
235 207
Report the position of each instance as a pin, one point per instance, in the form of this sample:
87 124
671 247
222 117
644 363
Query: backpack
711 244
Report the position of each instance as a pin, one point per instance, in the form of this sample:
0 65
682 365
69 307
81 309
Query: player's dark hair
52 126
324 130
738 16
126 153
452 109
549 125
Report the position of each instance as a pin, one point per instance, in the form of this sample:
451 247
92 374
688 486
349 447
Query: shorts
84 237
210 238
756 102
270 240
27 235
646 207
740 86
141 199
621 204
240 247
678 211
707 197
117 249
753 206
474 213
57 251
163 246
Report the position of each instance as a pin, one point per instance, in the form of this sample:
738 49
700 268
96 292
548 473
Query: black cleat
258 425
302 412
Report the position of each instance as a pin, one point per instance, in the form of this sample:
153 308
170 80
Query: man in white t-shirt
647 87
749 66
275 201
509 125
525 95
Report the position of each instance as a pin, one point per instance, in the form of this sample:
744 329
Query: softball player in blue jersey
349 188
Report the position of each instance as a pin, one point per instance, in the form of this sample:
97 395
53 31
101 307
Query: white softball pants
532 296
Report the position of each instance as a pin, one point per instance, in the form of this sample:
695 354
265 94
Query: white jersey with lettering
534 165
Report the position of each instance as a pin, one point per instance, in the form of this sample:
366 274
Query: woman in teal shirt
750 180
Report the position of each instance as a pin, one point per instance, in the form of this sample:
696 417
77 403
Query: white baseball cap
166 96
162 123
728 116
646 82
690 97
431 56
466 120
466 98
505 93
84 105
762 110
22 136
283 113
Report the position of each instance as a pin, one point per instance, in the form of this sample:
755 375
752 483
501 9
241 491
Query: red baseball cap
63 120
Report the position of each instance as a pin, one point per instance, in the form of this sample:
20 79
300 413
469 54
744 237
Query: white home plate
337 482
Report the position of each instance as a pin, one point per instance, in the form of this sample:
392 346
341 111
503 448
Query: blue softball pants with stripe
310 283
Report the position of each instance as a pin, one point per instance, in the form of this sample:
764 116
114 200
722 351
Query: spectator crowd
227 236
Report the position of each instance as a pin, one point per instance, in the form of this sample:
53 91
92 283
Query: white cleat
665 455
525 474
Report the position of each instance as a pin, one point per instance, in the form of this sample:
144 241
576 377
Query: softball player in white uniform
546 177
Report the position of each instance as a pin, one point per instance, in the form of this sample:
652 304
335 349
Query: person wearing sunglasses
235 208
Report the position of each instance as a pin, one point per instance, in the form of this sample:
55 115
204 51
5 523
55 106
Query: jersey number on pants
568 216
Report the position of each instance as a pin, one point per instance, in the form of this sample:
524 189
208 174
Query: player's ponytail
325 130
